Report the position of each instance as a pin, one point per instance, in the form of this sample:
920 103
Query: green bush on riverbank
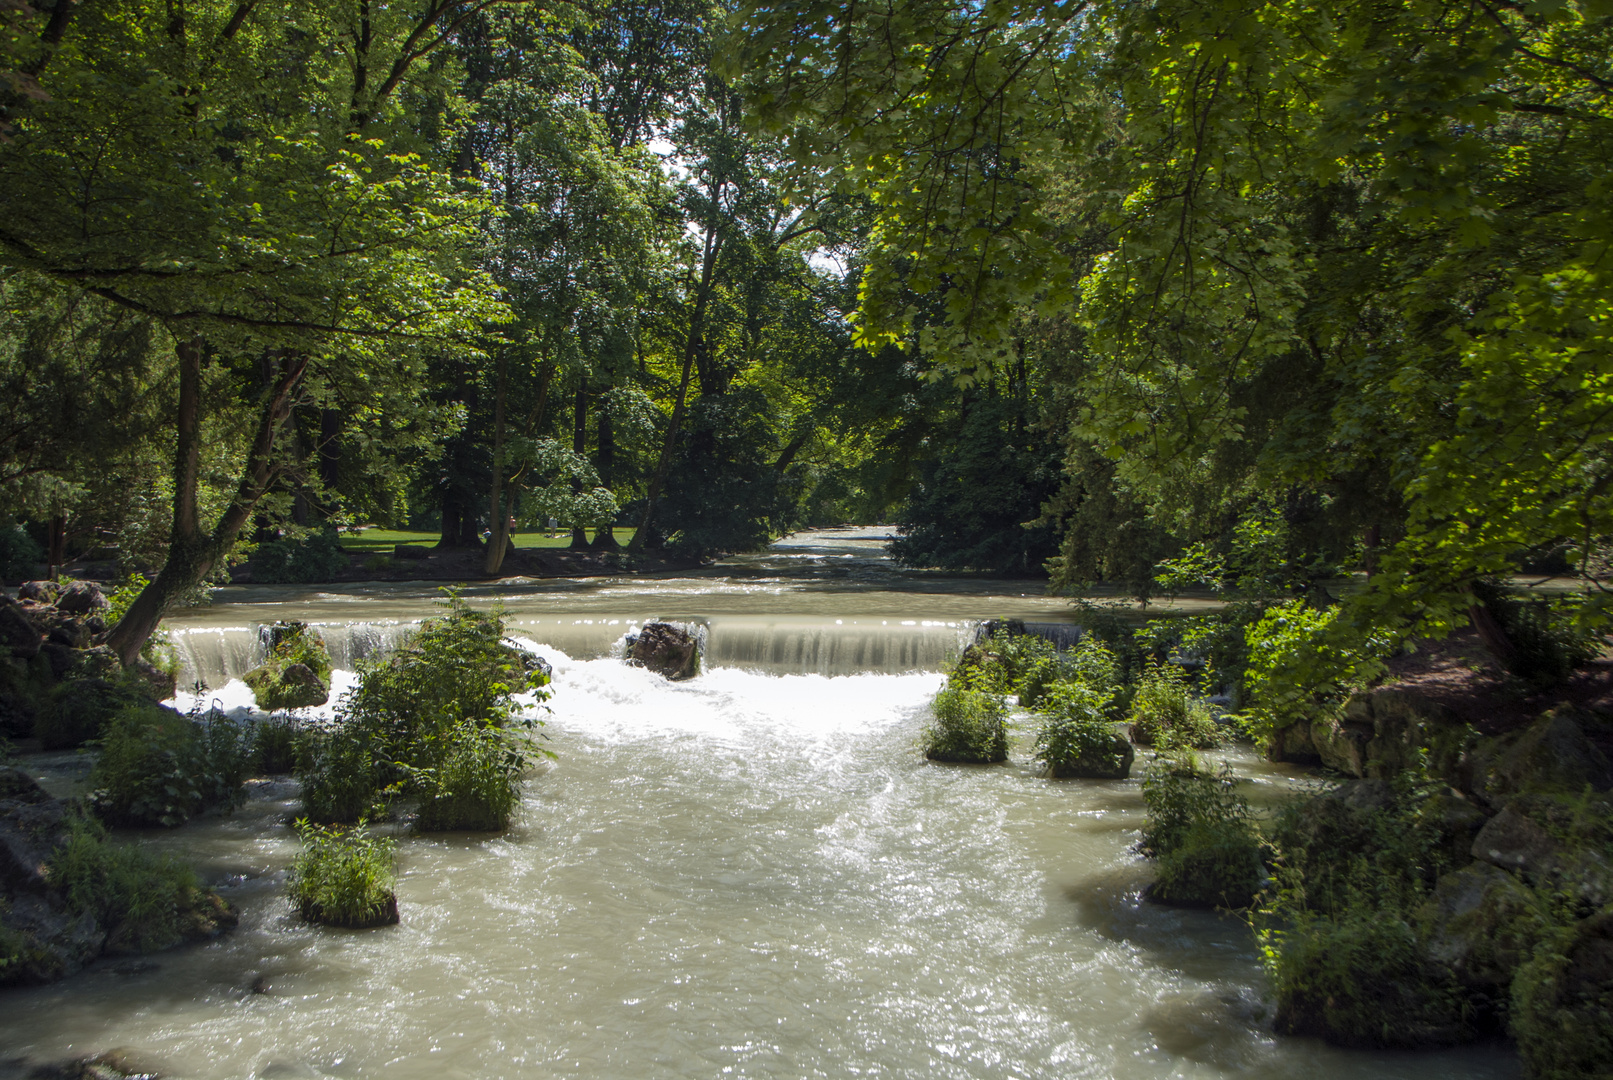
158 767
968 726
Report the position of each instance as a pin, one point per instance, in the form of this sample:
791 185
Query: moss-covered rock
277 685
1482 923
1551 755
1562 1003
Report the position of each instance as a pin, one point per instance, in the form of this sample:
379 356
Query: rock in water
666 650
286 686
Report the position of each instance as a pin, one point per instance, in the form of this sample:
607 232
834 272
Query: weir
778 645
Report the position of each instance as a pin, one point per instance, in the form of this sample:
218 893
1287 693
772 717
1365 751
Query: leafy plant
138 897
475 782
1201 831
277 744
1166 714
282 681
968 725
1077 739
158 767
438 719
344 876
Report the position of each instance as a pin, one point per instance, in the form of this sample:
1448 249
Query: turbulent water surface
752 873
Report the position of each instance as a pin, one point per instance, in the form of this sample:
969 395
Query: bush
79 710
969 725
20 556
276 745
1077 741
407 727
299 560
1180 797
1548 644
1562 1003
1166 715
340 774
344 877
158 767
141 899
1361 980
1213 864
475 783
1090 664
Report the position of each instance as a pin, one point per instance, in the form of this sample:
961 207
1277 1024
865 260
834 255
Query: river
750 874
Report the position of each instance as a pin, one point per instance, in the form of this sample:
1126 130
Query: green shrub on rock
1165 714
1076 740
158 767
79 710
276 744
1215 864
344 877
1361 980
968 726
296 672
1201 831
145 902
436 719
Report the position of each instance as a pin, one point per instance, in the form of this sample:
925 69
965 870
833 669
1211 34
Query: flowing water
750 874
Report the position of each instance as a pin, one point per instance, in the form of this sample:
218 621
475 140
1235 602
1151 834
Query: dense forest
1306 307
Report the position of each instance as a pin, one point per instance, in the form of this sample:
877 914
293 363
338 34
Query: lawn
373 540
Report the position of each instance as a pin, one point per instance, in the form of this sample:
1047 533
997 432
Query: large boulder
277 686
17 634
40 592
1544 840
1551 755
1294 743
665 649
82 598
54 941
1482 923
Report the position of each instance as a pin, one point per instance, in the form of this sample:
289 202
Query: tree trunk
58 543
579 446
708 266
192 554
496 516
605 535
450 524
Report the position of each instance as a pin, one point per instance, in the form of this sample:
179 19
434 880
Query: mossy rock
1562 1003
1216 864
385 914
1482 923
1551 756
278 685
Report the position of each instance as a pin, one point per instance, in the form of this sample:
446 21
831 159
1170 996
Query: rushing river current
750 874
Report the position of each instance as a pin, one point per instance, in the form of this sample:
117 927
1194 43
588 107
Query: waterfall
777 645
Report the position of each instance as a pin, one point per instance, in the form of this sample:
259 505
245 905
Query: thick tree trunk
708 266
192 554
497 518
58 543
605 535
450 524
579 446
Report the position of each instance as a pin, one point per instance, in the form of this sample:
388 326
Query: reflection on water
747 874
